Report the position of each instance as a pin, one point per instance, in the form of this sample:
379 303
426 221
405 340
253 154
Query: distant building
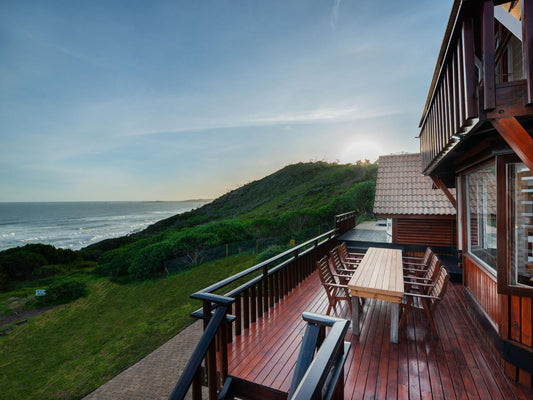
420 213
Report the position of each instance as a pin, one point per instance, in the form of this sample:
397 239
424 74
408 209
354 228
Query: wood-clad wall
517 314
425 231
484 287
512 315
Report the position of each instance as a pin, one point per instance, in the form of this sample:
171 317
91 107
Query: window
520 181
481 213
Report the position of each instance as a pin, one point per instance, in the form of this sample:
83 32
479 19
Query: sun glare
359 150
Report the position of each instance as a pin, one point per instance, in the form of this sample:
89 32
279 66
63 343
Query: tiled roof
401 189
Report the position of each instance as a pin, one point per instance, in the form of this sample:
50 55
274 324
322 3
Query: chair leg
405 310
430 317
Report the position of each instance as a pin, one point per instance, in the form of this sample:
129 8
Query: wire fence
253 246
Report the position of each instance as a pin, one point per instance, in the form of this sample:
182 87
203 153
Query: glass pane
521 187
481 204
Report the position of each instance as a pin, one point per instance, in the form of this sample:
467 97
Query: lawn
69 351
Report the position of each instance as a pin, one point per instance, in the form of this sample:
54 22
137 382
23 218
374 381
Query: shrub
272 251
150 260
64 291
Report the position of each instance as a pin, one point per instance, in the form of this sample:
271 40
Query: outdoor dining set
408 283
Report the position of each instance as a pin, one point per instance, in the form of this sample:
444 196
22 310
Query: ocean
73 225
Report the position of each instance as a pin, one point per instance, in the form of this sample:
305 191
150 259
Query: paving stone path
155 375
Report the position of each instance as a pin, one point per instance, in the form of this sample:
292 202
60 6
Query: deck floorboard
457 365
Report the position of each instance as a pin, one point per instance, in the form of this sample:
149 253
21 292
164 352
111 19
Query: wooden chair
335 290
343 270
426 303
422 280
417 262
349 256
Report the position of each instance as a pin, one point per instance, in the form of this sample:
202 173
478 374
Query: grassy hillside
294 187
282 205
72 349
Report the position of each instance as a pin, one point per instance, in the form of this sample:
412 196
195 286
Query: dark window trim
505 232
466 218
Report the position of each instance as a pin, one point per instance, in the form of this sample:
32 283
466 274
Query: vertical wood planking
489 79
469 69
527 43
515 320
461 82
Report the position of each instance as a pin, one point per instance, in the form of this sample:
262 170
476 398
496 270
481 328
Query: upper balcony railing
469 86
250 295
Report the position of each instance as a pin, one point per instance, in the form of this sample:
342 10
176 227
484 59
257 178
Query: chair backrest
427 256
343 250
439 288
324 272
336 258
433 268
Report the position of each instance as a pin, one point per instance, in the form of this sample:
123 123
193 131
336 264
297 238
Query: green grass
71 350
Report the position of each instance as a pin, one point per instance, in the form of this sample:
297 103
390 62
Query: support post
516 137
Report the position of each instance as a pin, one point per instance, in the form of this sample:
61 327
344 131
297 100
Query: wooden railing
345 222
321 377
463 93
265 284
453 103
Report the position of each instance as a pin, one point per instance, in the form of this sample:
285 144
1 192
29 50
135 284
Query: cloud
319 115
334 16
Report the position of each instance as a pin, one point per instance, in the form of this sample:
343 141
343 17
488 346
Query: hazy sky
171 100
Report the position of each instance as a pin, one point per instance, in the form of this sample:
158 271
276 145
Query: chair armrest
414 269
335 285
408 263
412 258
348 271
424 296
416 278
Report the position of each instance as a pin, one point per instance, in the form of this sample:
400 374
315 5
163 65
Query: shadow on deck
456 365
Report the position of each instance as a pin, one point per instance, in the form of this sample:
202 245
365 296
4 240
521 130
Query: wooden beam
440 184
527 45
489 79
468 69
517 137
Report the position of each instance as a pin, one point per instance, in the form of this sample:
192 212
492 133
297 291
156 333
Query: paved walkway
155 375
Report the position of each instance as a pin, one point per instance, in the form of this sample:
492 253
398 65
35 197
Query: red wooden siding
425 231
483 287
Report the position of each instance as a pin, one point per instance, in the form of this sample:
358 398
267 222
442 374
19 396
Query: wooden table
378 276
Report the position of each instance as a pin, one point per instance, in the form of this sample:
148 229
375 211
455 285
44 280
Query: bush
64 291
272 251
150 260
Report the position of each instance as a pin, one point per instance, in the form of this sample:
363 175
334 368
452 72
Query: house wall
509 314
425 231
484 288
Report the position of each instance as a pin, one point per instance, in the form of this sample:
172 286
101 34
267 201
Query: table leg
395 315
355 315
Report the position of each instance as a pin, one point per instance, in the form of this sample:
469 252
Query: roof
401 189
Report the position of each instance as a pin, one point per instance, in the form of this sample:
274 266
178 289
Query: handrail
252 299
193 365
327 365
200 295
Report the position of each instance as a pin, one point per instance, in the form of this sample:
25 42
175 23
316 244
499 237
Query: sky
175 100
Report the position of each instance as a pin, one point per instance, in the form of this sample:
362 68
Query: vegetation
117 309
283 204
70 350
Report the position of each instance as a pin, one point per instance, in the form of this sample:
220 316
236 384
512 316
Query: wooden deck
458 365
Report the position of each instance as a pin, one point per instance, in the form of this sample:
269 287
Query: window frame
505 235
483 265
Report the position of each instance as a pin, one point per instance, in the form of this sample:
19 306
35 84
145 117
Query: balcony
260 328
483 73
